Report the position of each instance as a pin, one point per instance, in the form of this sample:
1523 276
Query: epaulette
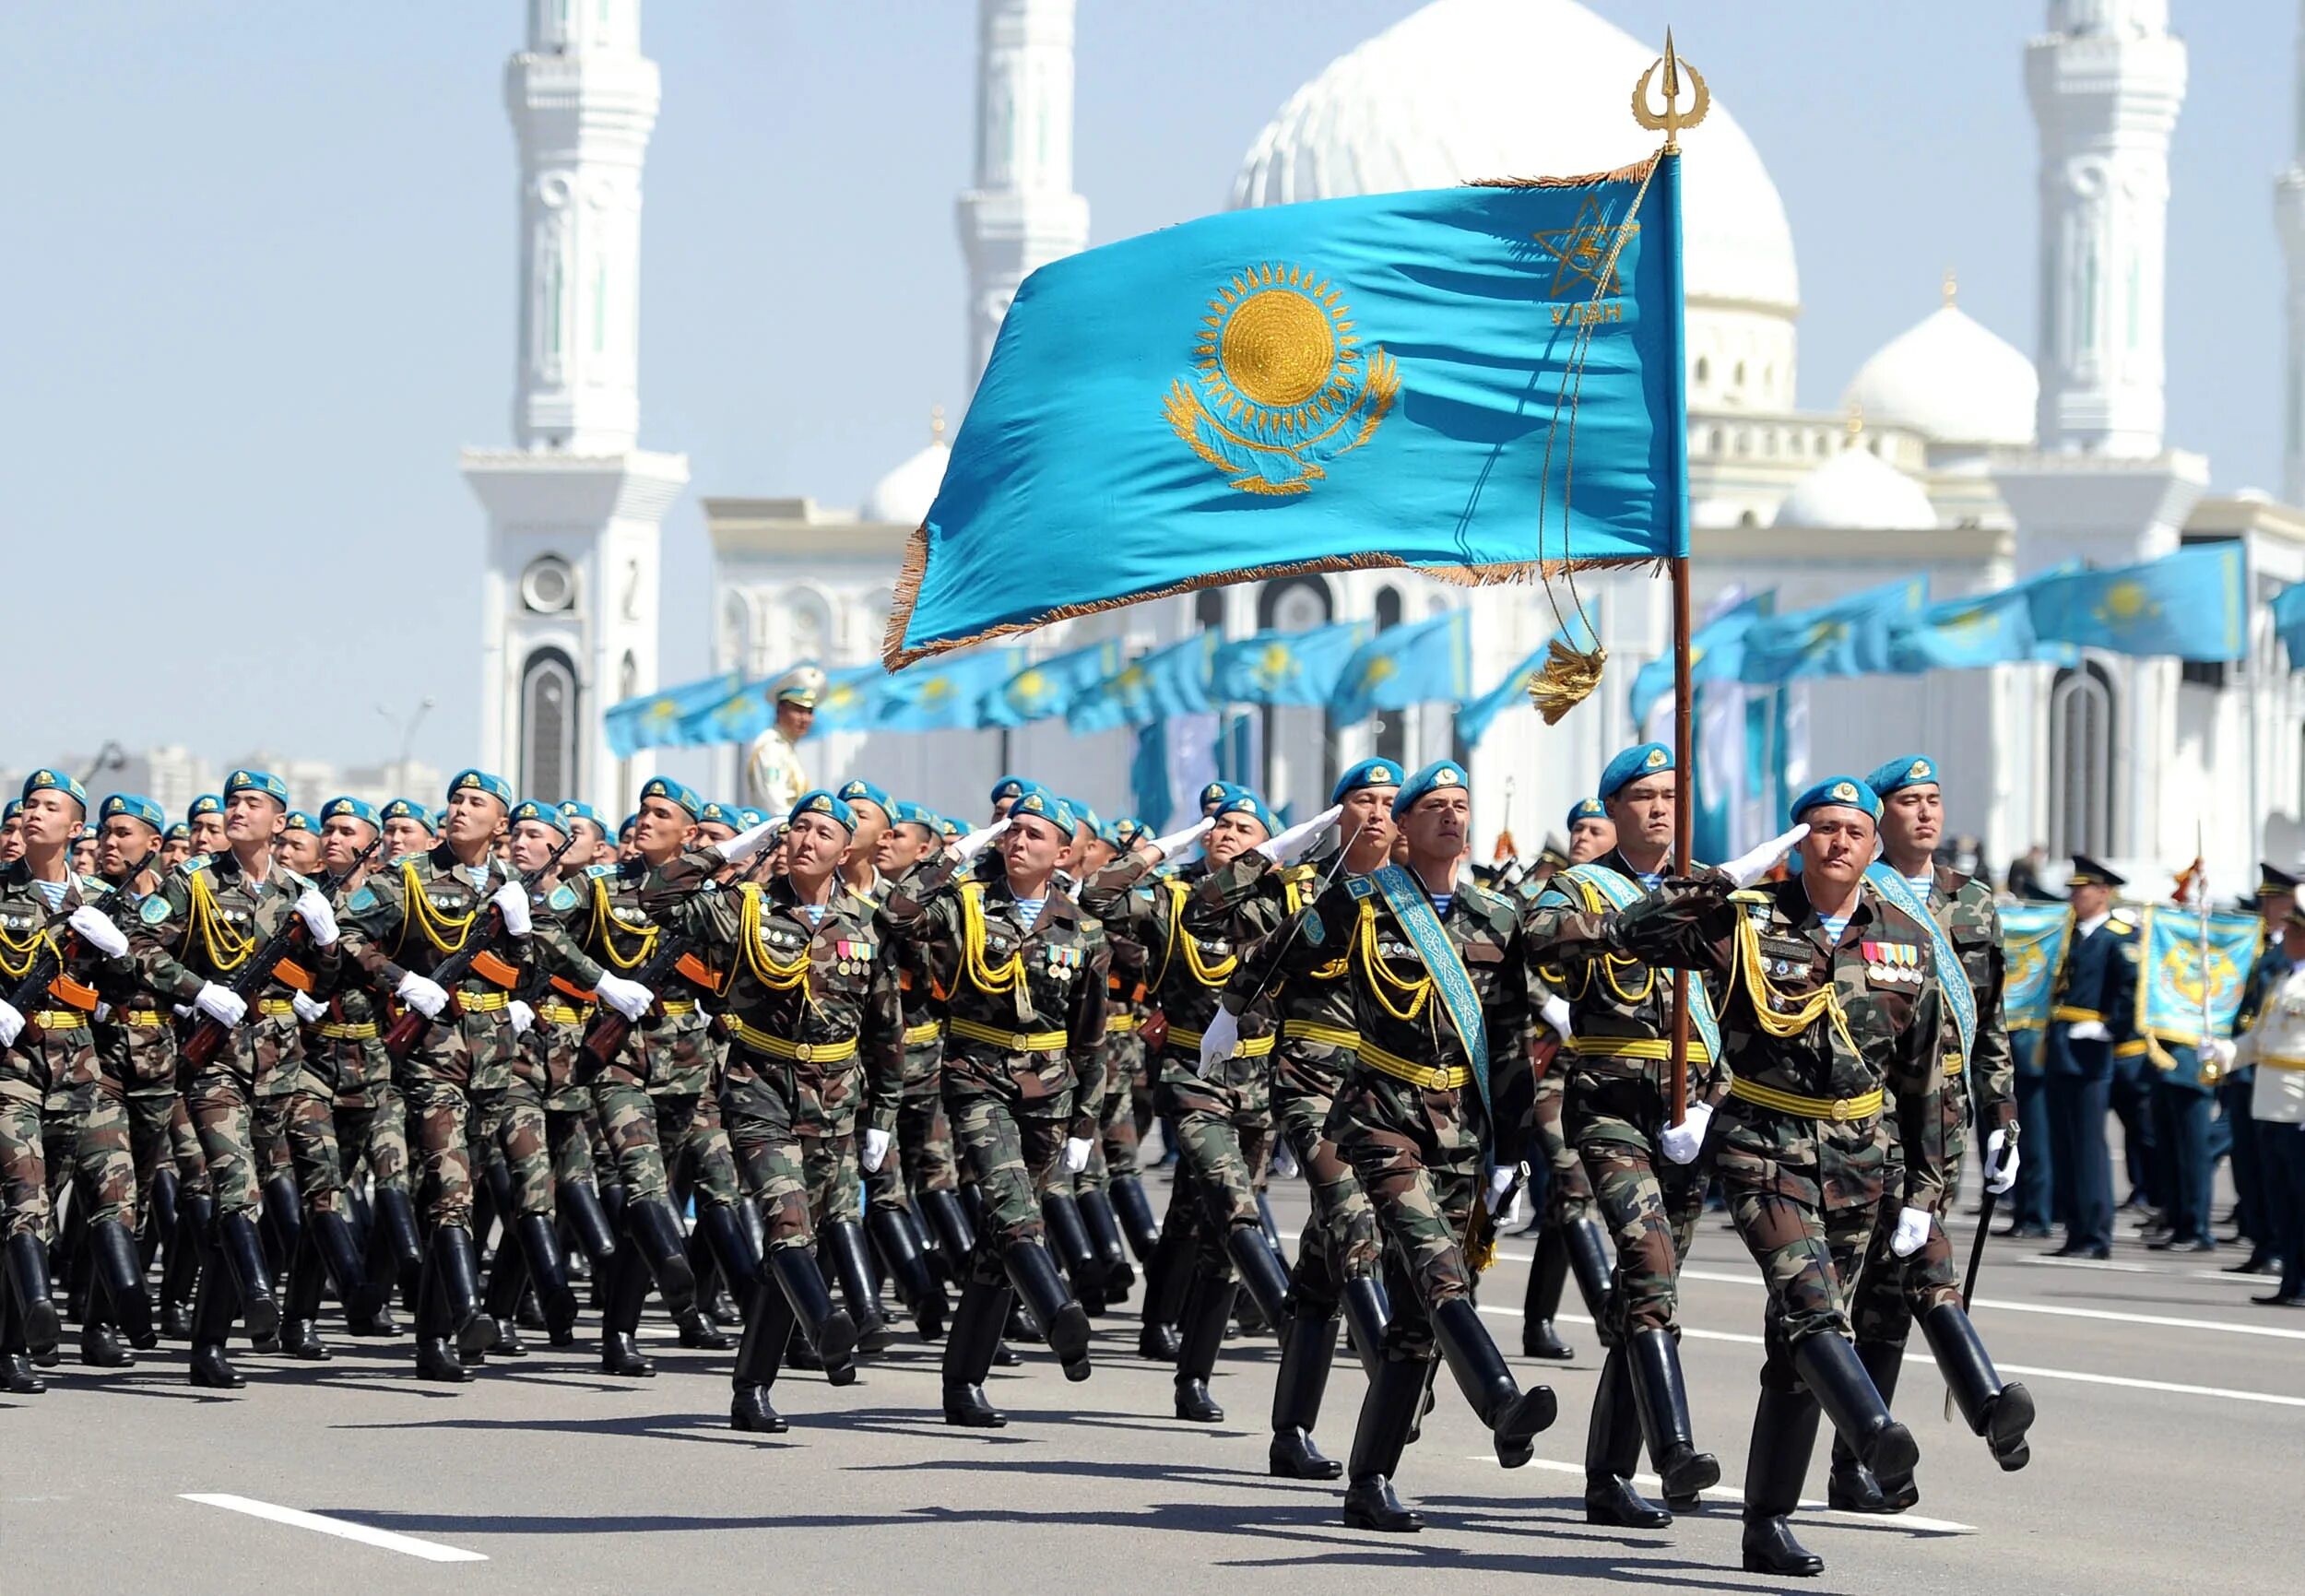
593 873
399 859
2121 927
1482 893
1748 895
1359 886
95 886
303 884
193 862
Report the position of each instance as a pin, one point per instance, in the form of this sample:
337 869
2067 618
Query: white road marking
1730 1488
431 1551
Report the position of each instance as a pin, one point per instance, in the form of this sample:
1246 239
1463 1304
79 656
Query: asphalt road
2167 1457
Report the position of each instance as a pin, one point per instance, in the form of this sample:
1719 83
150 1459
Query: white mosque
1952 453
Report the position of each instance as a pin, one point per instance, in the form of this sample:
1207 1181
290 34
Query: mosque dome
1950 379
1480 89
1856 490
904 495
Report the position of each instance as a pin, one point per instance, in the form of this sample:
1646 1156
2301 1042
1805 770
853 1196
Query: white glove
2218 1053
629 998
1218 1042
96 929
220 1004
11 1023
427 997
1912 1231
1500 1182
1297 841
2000 1177
104 1012
977 841
1683 1141
1555 1011
1076 1153
310 1012
523 1017
1283 1162
1749 868
1178 842
875 1149
749 841
2088 1031
512 903
318 918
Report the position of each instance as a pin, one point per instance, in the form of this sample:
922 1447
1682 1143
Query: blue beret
406 809
56 781
857 788
830 805
1368 772
720 814
628 823
1440 774
363 812
136 806
15 806
664 787
1586 810
953 831
1127 832
1244 803
1083 816
496 787
1009 786
570 809
1837 789
1913 770
750 817
1031 799
179 832
298 821
207 803
544 814
1216 793
1649 758
912 814
262 781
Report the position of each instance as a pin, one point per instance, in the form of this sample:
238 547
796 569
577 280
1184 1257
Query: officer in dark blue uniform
2276 895
2091 1022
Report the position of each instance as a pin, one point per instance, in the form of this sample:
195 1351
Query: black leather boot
180 1272
499 1303
280 1224
213 1309
242 1252
1849 1486
1367 1312
1262 1274
117 1267
1515 1417
1166 1279
655 1232
1613 1453
1308 1345
842 1247
2002 1413
1134 1211
968 1355
300 1302
917 1288
1069 1244
395 1224
1063 1324
548 1272
436 1355
956 1237
1592 1262
698 1329
1395 1393
17 1376
159 1216
1548 1274
1784 1434
1208 1309
1829 1368
732 1249
1104 1227
588 1220
456 1272
36 1309
768 1325
101 1346
1663 1400
332 1238
623 1293
830 1332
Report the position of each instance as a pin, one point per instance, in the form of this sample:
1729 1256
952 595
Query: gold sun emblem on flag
1285 385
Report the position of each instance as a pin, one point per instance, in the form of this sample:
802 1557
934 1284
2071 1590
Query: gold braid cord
777 976
983 976
225 949
636 951
1776 1014
1206 974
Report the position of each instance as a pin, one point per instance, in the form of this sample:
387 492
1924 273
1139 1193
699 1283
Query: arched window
1300 758
1392 726
1208 610
548 726
2081 761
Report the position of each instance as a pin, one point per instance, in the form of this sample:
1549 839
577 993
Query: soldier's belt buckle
804 1052
1844 1109
1440 1082
1019 1042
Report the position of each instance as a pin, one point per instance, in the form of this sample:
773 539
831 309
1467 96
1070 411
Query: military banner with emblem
2172 994
2033 938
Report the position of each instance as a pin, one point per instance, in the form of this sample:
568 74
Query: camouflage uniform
46 1086
1126 1006
136 1052
923 1160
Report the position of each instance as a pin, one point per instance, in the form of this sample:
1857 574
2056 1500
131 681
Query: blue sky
260 275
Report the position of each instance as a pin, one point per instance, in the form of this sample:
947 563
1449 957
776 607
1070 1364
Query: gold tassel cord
1567 677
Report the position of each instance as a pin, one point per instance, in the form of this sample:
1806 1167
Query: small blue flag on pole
1386 380
1172 680
1983 629
657 719
1429 661
1475 718
1286 666
2188 604
1716 654
1037 692
2288 622
845 705
950 695
1850 636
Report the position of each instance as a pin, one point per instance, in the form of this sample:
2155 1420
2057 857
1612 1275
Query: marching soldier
1892 1291
1830 1008
204 815
193 935
1023 1036
11 831
773 779
2091 1021
2274 1047
1440 998
1618 1115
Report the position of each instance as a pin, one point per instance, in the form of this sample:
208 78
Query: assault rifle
407 1032
256 974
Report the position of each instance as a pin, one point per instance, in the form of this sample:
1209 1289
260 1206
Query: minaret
2289 213
2106 83
1021 213
570 593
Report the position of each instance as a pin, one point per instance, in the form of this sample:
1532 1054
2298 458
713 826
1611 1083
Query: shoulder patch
359 903
155 910
1310 928
593 873
1359 886
562 899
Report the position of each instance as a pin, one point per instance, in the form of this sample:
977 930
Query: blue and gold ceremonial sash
1620 893
1952 979
1406 897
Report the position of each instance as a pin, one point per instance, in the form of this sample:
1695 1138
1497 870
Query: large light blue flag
659 719
1473 718
1286 666
1850 636
2033 942
2188 604
2173 997
1037 692
1430 661
1983 629
1387 380
1172 680
950 695
2288 622
1716 654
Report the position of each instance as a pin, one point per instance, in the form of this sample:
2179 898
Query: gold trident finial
1673 119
